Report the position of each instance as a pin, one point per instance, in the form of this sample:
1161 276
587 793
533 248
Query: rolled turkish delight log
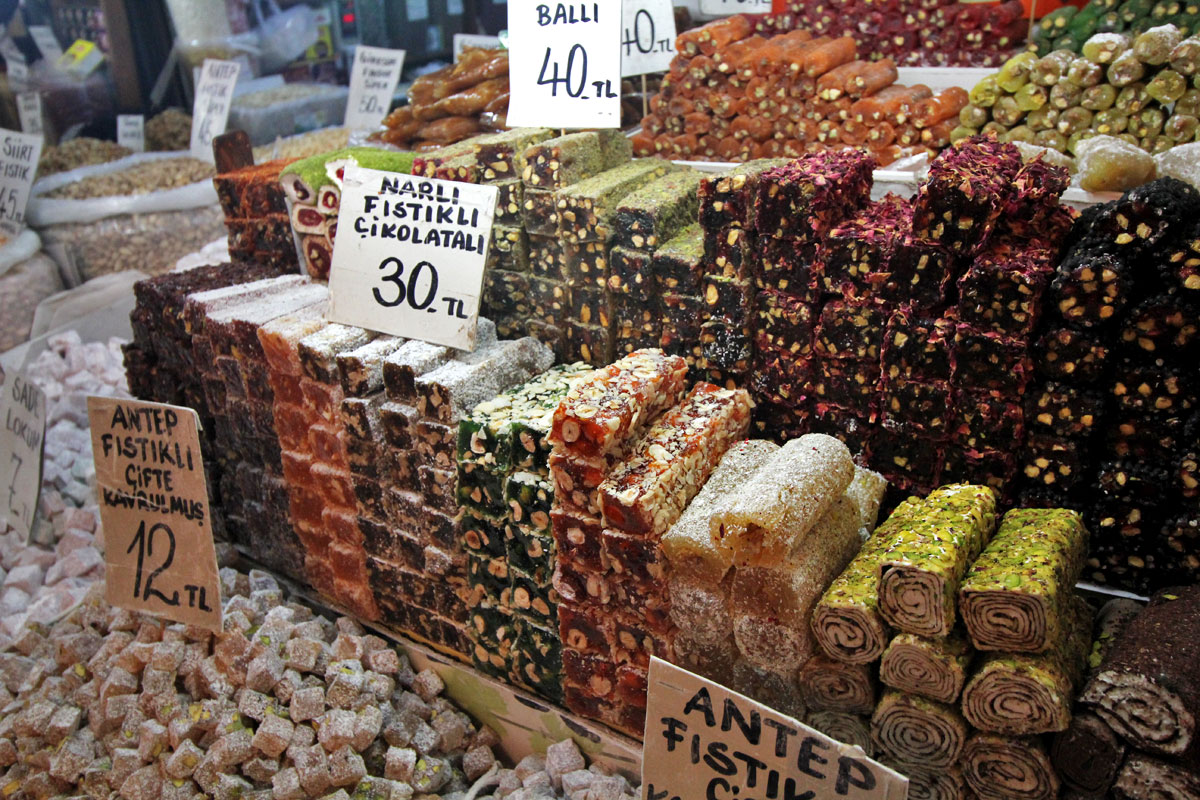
775 511
615 402
1088 755
772 605
847 728
932 668
652 215
1016 594
918 732
926 560
831 685
936 784
1020 694
1002 768
1145 778
1148 688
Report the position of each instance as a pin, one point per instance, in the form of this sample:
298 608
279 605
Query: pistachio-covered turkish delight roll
918 732
679 263
654 214
1002 768
933 668
831 685
926 560
586 209
1020 694
1015 596
777 508
846 728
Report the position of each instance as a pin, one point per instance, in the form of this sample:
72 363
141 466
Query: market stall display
77 153
1072 27
256 215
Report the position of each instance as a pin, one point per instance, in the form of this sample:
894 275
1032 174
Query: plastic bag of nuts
143 212
27 277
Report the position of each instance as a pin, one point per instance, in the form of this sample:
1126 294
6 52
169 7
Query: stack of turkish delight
734 95
256 216
602 610
1117 388
506 496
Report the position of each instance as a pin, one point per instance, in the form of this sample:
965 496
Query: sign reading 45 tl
564 64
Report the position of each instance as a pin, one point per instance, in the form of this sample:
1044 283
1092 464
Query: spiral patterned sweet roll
846 728
998 768
933 668
918 732
1144 778
1088 755
939 784
830 685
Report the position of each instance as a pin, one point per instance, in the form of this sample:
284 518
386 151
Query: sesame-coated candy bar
653 215
510 203
502 155
786 265
960 202
1064 410
775 510
917 347
585 264
1002 288
450 391
730 251
924 406
631 272
679 262
807 197
784 322
846 384
927 558
361 369
506 301
849 330
508 431
646 493
726 346
1023 610
727 299
509 249
539 211
564 160
1065 354
919 274
616 402
529 498
728 198
863 245
586 210
987 360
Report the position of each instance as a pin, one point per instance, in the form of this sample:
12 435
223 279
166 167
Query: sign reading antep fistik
705 741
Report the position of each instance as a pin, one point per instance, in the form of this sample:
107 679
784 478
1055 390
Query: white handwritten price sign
409 255
564 64
23 411
29 109
647 36
19 154
703 740
47 42
372 83
210 109
731 7
159 552
131 132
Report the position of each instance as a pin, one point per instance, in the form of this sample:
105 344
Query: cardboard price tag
731 7
564 64
29 109
409 255
703 740
19 154
159 555
647 36
372 83
131 132
210 109
23 412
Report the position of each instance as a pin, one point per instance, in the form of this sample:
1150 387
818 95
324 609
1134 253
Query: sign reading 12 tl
564 64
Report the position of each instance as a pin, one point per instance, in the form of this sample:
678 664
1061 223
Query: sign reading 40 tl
564 64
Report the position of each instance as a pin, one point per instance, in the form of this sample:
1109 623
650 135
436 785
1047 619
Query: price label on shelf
131 132
372 83
647 36
210 109
23 412
703 740
19 154
564 64
159 554
731 7
29 109
409 255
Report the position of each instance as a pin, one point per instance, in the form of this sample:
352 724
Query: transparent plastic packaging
27 277
315 106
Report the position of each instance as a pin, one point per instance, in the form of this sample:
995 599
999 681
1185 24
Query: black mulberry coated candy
1091 288
1063 410
1066 354
1165 325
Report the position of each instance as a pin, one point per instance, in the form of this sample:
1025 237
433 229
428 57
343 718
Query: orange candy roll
821 59
880 105
907 106
875 77
881 134
662 144
680 106
937 136
728 149
684 145
835 83
854 133
886 155
643 143
723 32
730 59
944 106
907 135
747 127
